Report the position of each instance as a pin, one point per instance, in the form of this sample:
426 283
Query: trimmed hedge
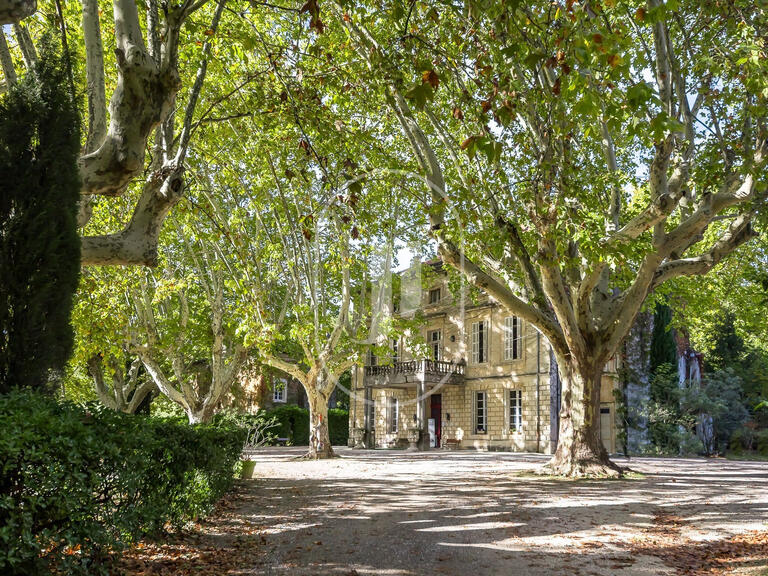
338 426
293 423
78 483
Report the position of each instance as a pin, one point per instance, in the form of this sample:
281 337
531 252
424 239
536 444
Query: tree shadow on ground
447 514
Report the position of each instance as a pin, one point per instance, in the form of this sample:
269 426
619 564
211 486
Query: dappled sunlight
476 526
392 513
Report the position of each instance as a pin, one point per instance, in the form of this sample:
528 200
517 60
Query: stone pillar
421 413
368 419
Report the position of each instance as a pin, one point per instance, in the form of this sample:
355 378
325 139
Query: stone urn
358 437
413 439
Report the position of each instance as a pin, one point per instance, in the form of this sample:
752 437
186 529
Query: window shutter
513 338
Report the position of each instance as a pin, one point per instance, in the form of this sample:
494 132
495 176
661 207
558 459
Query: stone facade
256 390
498 356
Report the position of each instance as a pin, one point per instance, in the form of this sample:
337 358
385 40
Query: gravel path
393 513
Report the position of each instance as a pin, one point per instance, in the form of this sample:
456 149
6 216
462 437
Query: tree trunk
319 437
580 451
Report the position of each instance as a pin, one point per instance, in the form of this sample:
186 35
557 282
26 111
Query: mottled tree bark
580 451
319 435
126 392
14 10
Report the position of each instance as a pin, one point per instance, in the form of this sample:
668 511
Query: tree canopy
572 159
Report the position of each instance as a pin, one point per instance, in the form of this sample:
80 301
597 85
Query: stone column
421 413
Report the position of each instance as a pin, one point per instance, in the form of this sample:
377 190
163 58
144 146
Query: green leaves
424 92
639 94
84 480
420 94
485 145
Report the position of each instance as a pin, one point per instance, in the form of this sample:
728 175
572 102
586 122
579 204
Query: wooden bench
451 444
281 441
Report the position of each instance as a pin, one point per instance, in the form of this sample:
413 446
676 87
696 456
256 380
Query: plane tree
143 72
578 155
302 222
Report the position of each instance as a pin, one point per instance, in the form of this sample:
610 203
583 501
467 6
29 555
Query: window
481 412
434 296
479 342
279 389
435 341
372 360
515 410
395 350
392 414
513 338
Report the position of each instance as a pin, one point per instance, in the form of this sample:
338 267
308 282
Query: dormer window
434 296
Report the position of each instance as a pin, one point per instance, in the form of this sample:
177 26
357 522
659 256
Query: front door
435 413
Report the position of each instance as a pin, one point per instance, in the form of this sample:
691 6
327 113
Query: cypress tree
663 347
39 242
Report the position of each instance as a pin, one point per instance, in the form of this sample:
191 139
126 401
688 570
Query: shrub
293 423
674 412
80 482
338 426
741 439
761 439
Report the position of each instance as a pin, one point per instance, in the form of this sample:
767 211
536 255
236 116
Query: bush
80 482
338 426
674 413
761 439
741 440
293 423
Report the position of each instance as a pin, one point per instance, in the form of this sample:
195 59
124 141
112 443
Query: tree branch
739 232
94 69
6 62
15 10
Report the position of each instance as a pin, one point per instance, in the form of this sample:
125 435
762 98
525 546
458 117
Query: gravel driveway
393 513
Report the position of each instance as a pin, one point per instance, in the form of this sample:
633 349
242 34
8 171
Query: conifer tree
39 244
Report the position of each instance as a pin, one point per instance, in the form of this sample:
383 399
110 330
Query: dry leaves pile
700 558
223 544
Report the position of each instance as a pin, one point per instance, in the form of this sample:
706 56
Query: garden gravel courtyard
395 513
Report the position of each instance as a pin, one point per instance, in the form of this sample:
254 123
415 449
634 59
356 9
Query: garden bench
281 441
451 444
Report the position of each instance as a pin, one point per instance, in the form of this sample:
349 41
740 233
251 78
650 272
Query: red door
435 413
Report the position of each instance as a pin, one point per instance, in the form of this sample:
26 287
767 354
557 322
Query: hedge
78 483
293 424
338 426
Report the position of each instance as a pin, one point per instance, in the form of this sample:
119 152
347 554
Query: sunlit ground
397 513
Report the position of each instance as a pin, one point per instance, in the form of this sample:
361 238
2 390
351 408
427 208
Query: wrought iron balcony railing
417 366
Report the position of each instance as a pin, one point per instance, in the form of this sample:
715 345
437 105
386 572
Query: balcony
409 374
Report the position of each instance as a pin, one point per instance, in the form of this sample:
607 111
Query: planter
413 439
248 468
358 438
